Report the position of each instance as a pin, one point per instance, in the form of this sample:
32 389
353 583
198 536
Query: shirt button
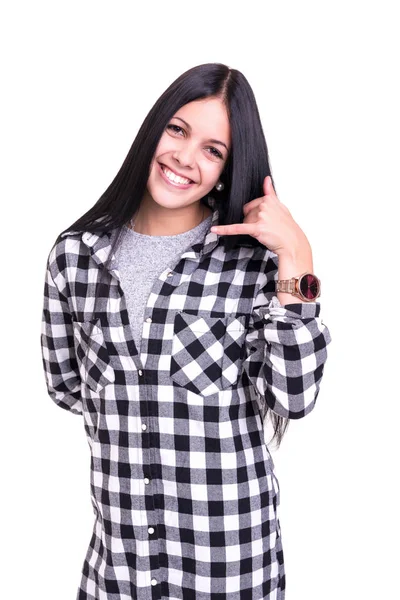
151 530
144 426
140 372
154 582
146 480
148 320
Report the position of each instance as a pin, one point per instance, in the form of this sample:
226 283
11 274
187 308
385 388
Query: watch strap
286 285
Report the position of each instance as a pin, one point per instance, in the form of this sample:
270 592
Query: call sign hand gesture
270 222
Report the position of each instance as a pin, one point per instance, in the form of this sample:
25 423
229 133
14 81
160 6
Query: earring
220 186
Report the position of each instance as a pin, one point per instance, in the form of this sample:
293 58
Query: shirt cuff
294 310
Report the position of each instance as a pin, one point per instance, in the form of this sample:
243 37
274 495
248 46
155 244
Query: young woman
165 328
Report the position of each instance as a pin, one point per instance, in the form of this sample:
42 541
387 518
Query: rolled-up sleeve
286 349
57 343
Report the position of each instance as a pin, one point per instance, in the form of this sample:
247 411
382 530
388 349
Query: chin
172 199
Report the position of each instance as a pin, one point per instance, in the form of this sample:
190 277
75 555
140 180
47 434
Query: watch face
309 286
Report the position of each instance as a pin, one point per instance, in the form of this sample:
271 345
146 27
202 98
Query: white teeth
173 177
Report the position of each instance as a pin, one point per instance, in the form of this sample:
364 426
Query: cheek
161 150
210 171
165 145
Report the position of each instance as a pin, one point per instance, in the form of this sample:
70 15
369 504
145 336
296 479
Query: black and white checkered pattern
182 483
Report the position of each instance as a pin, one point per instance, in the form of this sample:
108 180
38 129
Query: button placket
150 530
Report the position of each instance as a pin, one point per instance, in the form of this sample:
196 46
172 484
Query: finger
268 187
235 229
252 204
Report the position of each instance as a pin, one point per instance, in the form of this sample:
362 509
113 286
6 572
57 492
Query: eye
217 152
174 127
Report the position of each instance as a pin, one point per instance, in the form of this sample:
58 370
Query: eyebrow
189 127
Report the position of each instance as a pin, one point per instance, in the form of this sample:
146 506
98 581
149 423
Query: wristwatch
306 286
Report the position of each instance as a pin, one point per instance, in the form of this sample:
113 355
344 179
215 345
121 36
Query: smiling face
191 154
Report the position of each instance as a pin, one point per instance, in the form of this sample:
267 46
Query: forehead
207 117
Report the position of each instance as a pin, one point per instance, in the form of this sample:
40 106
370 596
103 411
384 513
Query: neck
170 222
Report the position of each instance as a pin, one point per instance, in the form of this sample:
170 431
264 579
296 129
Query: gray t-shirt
141 258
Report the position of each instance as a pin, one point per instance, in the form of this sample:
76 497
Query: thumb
267 185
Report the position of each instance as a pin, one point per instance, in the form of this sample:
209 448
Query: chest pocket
206 352
92 354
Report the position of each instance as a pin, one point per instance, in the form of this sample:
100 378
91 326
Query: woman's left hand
270 222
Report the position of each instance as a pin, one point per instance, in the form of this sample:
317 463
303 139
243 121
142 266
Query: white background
78 78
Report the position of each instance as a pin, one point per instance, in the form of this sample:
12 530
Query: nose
185 155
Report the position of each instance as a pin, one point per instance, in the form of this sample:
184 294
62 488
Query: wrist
293 264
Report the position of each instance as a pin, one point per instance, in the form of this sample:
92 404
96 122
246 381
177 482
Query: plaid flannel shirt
182 482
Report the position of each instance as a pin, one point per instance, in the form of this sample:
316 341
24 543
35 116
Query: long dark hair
243 174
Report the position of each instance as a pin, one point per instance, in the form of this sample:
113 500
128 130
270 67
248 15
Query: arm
285 348
57 344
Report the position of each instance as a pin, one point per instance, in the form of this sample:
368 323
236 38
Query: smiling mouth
173 177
